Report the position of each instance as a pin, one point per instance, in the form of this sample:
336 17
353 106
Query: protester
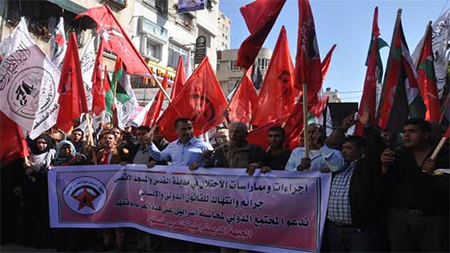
277 155
221 136
141 155
321 157
57 135
111 154
66 155
160 142
355 209
237 153
185 151
69 239
35 193
76 137
419 213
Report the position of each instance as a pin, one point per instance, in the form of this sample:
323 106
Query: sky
347 23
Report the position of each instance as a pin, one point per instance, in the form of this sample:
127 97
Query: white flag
440 38
58 44
87 69
141 116
28 83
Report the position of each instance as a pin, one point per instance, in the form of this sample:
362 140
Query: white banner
28 83
440 38
87 69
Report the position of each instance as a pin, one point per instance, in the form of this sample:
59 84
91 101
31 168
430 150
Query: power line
443 8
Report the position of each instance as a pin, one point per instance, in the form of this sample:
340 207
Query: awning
70 6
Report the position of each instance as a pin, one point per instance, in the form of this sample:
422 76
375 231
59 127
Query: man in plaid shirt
354 207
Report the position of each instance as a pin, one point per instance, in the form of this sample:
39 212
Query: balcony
153 30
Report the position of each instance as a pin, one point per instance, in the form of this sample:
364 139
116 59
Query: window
263 63
218 67
234 67
184 20
159 5
174 54
152 49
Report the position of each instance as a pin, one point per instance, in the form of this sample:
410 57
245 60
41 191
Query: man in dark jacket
237 153
355 207
418 199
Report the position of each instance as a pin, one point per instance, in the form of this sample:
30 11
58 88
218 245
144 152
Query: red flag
260 16
244 101
393 109
277 95
327 61
308 69
447 133
155 109
98 81
426 79
372 78
318 108
116 39
72 99
12 143
180 79
201 100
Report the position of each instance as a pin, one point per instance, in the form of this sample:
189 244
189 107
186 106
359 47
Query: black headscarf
33 144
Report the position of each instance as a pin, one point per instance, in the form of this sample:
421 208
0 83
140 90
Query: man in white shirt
321 157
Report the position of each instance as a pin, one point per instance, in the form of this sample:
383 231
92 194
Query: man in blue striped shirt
185 151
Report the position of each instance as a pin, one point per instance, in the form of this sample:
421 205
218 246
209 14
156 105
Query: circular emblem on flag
202 109
85 195
27 87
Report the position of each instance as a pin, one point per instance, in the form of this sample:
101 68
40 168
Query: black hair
183 120
424 125
278 129
359 141
78 130
144 128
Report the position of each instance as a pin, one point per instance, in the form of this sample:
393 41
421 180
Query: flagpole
383 91
438 148
235 91
160 86
90 137
305 119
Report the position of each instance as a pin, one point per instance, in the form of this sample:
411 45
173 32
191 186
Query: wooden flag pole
305 119
91 138
438 148
160 86
237 87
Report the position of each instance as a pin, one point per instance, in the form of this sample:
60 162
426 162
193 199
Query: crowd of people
385 193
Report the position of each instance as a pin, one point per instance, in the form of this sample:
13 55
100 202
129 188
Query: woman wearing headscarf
35 194
66 155
70 239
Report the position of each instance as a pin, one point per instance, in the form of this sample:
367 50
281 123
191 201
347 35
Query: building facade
224 32
156 28
229 73
333 96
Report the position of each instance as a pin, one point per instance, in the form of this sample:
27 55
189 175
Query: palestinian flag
393 109
126 101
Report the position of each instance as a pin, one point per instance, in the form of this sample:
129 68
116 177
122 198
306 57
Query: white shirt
321 158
